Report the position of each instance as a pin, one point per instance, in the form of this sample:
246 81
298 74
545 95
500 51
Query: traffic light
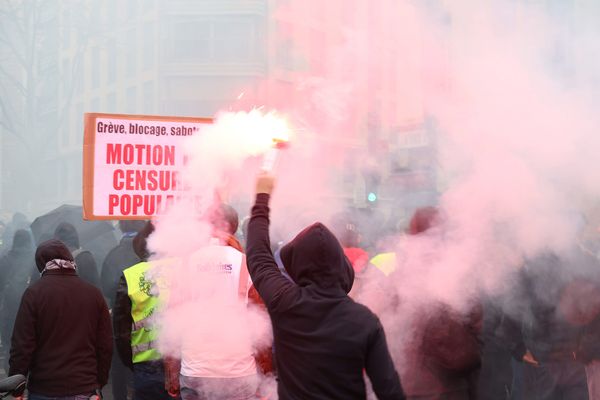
372 197
372 180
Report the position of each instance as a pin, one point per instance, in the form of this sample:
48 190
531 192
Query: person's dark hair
67 233
423 219
50 250
131 225
140 241
21 240
225 218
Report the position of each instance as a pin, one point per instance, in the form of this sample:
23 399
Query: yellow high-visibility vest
144 300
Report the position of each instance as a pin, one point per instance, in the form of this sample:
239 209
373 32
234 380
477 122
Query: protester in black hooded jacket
15 271
323 339
86 265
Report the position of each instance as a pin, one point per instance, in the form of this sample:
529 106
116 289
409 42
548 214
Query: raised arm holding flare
323 339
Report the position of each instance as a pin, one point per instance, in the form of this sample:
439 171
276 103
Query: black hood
67 233
140 246
316 257
50 250
22 240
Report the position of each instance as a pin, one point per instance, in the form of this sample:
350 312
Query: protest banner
131 163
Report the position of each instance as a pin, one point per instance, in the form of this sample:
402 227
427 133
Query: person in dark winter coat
15 272
62 336
547 327
18 221
441 358
118 259
86 265
323 340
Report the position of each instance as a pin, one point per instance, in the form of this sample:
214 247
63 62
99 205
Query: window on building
220 39
190 40
131 102
111 60
149 40
111 103
131 53
66 26
95 105
131 8
112 11
78 78
95 67
233 40
79 124
148 95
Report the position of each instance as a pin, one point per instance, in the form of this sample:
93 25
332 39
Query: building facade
192 58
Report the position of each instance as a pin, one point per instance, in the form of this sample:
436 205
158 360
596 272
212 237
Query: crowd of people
72 325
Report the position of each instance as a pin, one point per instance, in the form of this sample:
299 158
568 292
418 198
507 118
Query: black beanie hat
50 250
140 246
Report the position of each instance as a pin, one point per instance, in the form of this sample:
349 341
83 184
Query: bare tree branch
75 79
11 45
10 126
8 115
12 80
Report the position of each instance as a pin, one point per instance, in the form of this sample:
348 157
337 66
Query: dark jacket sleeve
512 336
104 343
23 342
380 368
275 290
122 322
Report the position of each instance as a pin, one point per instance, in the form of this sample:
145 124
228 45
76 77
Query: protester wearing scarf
53 255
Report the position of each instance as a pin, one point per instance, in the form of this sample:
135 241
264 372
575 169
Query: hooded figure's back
16 267
323 339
